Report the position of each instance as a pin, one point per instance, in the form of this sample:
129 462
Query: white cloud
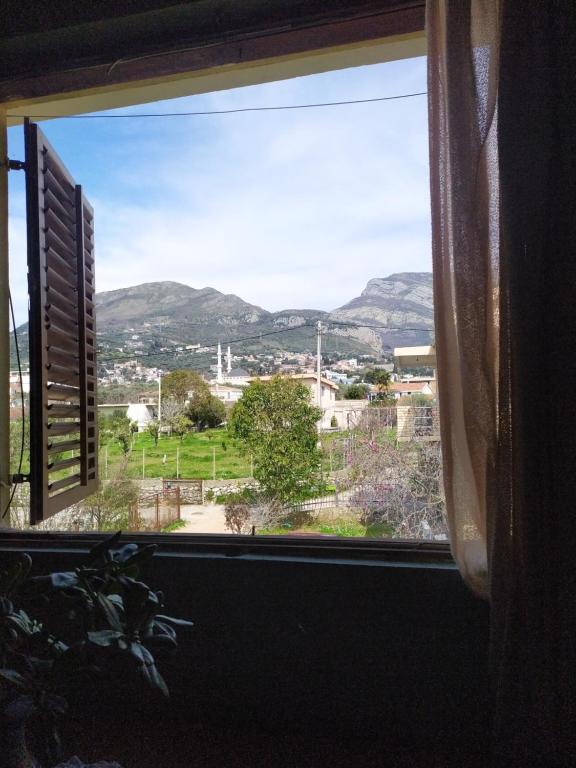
286 209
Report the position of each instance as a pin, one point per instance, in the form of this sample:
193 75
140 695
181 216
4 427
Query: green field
198 453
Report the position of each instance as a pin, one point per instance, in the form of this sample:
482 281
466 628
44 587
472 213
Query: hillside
159 320
400 301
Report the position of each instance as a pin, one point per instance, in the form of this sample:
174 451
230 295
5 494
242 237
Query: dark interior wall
342 649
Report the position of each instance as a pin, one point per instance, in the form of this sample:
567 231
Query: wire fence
155 511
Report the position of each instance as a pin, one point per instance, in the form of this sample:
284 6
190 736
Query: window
136 357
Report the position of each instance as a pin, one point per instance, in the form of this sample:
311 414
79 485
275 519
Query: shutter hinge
20 478
15 165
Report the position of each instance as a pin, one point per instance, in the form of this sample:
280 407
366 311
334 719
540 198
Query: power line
308 324
379 327
235 111
229 341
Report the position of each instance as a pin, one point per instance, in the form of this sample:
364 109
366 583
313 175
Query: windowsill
368 551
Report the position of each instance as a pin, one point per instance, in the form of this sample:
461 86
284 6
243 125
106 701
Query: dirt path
203 518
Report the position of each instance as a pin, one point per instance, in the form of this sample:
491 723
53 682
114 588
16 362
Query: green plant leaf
176 622
103 547
13 677
148 667
142 555
109 610
105 637
64 580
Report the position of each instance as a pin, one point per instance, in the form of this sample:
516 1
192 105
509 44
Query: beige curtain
462 84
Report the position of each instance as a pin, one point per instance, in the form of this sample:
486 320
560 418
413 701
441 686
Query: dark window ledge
369 551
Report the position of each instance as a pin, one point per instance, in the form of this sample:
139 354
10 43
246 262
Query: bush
237 515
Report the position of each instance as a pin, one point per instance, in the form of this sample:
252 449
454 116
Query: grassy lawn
196 456
344 527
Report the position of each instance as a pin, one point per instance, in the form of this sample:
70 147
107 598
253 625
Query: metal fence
154 511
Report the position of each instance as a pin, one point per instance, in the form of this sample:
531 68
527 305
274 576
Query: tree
172 409
206 411
181 425
153 429
275 422
381 380
182 385
378 377
117 427
19 430
356 392
108 508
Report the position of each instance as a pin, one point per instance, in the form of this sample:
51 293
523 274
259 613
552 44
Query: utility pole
213 463
159 402
319 365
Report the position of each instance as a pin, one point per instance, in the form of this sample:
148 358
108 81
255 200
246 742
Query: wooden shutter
63 425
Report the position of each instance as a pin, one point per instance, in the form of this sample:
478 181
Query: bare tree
397 486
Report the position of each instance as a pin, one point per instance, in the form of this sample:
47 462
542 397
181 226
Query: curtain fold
502 110
463 50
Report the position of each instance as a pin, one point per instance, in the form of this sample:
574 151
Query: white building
228 393
140 413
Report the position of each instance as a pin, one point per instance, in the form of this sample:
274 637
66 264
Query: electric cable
234 111
23 437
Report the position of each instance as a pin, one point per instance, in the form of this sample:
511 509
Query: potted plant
63 632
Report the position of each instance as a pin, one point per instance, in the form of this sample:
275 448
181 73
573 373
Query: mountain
400 301
168 301
163 319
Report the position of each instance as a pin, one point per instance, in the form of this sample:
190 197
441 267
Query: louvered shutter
63 423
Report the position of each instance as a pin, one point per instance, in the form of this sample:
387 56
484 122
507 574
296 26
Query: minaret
219 378
228 360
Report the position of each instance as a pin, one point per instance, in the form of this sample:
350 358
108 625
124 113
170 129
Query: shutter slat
62 411
61 375
64 446
62 392
63 428
66 482
62 340
53 165
64 302
58 263
54 225
58 466
60 357
55 241
54 203
51 184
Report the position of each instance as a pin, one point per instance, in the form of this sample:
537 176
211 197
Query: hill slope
154 319
400 301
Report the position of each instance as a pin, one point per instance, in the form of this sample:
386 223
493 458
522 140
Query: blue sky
289 209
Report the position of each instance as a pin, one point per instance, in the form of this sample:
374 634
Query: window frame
353 30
